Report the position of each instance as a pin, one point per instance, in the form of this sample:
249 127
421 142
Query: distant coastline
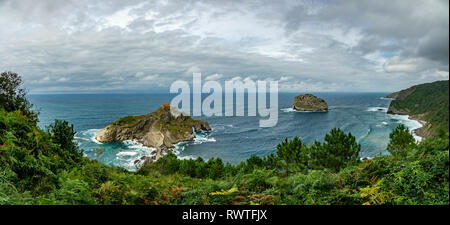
415 131
425 103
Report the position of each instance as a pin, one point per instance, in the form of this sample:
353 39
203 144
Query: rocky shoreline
426 103
161 129
418 133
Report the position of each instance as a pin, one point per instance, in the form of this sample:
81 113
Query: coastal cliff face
309 102
427 103
161 129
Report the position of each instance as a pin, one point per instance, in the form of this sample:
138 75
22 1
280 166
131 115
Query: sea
233 138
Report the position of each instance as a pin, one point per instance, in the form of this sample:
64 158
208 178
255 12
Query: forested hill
427 102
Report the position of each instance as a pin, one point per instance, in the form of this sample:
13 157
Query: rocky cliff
309 102
427 103
161 129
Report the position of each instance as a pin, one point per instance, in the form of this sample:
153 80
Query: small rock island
309 102
161 129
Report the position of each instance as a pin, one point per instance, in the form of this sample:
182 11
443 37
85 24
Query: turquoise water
233 138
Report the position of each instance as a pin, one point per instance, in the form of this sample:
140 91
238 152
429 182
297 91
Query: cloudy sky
135 46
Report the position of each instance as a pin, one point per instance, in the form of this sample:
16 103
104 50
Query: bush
63 134
258 180
293 153
169 164
316 187
338 151
12 97
400 141
74 192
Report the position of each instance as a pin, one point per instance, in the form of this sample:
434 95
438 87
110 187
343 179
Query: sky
87 46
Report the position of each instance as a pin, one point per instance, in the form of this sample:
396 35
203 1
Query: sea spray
132 153
410 123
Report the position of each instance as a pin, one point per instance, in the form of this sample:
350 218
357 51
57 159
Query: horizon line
168 93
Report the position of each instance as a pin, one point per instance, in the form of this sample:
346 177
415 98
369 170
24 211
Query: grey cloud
417 28
72 46
435 46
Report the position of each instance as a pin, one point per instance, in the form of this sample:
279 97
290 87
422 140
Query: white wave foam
383 98
187 157
90 134
377 109
297 111
81 138
411 124
200 138
134 151
180 148
126 154
224 125
382 124
288 110
217 127
133 144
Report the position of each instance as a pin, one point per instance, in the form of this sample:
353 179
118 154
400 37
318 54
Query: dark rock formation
309 102
161 129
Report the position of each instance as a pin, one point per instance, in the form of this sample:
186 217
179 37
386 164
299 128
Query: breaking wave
198 139
287 110
377 109
411 124
133 151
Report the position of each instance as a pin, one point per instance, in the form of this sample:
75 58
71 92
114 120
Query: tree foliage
293 153
337 151
63 134
400 141
12 97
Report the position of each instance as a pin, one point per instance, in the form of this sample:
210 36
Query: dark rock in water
145 160
161 129
309 102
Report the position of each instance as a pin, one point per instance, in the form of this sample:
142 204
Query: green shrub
337 151
63 134
400 141
293 153
74 192
12 97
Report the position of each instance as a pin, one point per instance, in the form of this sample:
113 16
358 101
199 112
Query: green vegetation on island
161 129
426 102
127 120
46 167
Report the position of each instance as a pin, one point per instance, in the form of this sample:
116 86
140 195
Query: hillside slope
428 102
